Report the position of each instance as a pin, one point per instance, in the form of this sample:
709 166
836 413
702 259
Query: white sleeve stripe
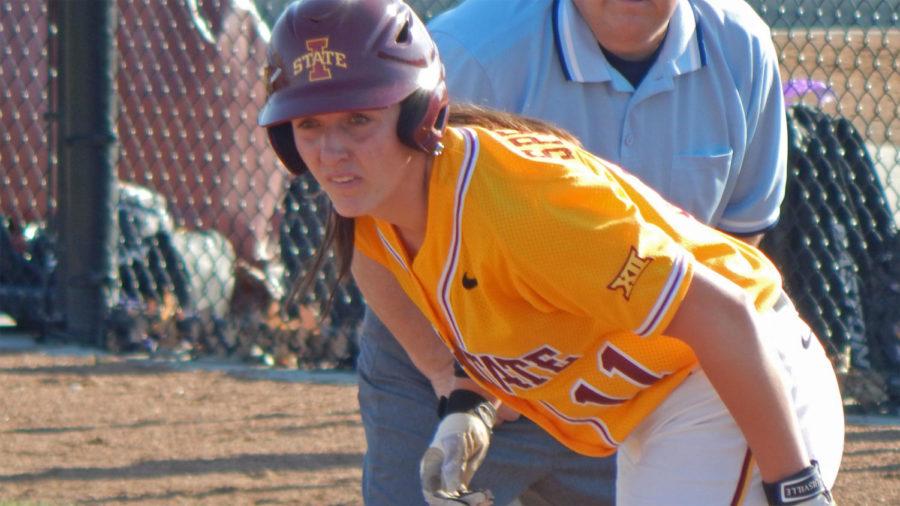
665 298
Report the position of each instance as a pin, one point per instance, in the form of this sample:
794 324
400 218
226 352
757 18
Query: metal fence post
87 178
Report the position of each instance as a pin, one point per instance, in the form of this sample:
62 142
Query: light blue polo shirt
705 128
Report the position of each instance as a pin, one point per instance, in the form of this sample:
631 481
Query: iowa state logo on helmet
319 60
630 272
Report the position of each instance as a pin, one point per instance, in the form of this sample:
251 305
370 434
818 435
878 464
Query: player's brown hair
339 230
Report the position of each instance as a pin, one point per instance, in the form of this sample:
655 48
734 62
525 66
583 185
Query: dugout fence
142 209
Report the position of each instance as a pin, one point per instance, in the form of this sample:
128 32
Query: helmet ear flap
423 116
281 137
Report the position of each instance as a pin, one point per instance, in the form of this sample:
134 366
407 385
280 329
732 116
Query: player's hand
457 450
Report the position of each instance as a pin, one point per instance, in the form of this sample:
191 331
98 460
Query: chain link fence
26 193
209 230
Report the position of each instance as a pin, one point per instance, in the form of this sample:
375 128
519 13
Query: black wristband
467 401
798 487
461 401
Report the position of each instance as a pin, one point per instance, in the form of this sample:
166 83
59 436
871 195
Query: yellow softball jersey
551 274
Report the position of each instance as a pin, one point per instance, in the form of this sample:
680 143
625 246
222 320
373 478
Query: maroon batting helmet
343 55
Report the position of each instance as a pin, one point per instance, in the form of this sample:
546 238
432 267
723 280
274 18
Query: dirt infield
106 430
93 429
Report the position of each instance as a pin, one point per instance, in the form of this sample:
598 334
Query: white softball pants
690 451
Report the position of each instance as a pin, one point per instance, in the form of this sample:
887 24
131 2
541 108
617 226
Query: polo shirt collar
583 61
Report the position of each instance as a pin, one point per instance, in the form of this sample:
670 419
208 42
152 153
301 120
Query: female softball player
566 289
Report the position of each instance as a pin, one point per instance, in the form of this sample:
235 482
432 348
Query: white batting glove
477 498
457 450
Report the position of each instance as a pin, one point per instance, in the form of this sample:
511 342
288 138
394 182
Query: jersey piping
595 423
462 184
390 249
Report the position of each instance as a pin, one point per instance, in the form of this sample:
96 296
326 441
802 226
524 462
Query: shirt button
629 139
